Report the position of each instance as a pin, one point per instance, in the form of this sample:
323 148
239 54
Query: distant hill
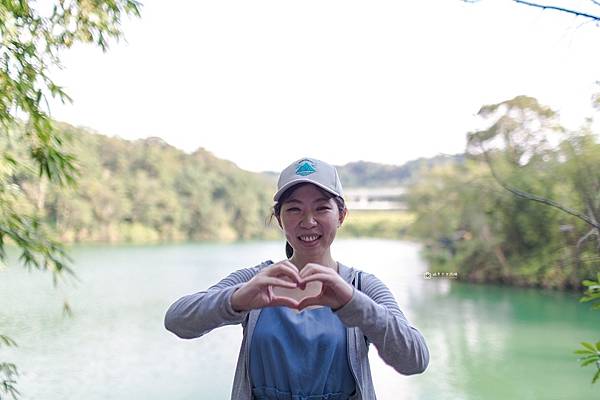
371 174
149 191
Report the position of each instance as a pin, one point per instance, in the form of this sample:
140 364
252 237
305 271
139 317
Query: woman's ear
342 217
279 222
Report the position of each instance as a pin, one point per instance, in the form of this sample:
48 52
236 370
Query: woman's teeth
309 238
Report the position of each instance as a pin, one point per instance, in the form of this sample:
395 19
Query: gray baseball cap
309 170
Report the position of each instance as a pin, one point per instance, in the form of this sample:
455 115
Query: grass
391 224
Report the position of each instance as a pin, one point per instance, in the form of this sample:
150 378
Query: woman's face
310 221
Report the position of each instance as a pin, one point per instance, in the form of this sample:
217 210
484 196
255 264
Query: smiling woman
308 320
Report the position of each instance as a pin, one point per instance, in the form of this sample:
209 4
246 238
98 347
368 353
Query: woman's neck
326 261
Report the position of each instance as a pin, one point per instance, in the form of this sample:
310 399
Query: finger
311 301
285 262
312 272
284 269
282 274
292 267
313 268
283 301
275 281
290 264
324 278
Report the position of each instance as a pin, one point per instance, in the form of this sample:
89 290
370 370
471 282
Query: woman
308 320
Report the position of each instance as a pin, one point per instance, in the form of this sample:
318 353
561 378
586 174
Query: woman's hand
258 292
336 292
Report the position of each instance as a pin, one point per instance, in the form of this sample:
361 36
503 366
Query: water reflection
486 342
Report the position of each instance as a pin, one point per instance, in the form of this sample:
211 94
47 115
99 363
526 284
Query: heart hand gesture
335 292
258 291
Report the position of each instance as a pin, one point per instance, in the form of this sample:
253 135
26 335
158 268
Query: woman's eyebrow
299 202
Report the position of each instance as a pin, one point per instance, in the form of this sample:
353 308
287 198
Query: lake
486 342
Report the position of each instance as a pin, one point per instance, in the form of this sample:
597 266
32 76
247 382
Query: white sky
262 83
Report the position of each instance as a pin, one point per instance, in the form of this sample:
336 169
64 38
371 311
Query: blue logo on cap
305 167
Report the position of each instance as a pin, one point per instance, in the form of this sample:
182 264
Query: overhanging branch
561 9
533 197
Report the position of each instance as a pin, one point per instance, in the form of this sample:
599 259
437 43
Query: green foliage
32 35
521 126
590 355
592 293
9 371
472 225
381 224
480 219
7 385
149 191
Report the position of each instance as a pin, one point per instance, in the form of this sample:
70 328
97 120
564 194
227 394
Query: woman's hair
276 212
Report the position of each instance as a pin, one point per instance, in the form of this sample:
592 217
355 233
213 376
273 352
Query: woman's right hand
258 292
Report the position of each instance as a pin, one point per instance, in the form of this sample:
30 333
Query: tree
32 37
523 124
590 354
567 10
489 219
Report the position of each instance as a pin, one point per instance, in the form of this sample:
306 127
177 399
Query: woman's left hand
335 293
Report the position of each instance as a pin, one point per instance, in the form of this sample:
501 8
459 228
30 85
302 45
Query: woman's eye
293 209
324 208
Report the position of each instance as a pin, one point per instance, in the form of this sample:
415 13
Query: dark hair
276 212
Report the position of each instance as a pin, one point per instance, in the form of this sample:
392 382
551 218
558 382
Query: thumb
311 301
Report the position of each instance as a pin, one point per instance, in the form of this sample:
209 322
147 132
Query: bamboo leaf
587 362
588 345
8 341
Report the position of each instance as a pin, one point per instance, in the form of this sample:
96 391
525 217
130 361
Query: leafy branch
31 41
554 8
561 9
10 372
530 196
592 293
590 353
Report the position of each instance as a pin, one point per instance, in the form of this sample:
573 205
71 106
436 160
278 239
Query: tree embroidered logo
305 167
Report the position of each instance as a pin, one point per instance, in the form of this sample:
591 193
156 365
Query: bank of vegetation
521 208
146 191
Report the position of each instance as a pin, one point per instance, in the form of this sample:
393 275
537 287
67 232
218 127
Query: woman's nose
308 220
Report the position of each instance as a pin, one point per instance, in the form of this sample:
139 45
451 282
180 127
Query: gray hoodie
372 313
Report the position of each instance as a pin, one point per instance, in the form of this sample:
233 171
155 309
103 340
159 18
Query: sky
263 83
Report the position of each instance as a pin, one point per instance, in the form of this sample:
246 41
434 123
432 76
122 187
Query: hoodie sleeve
375 311
197 314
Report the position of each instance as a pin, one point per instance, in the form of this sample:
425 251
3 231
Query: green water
486 342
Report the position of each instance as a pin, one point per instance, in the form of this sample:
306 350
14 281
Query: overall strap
357 282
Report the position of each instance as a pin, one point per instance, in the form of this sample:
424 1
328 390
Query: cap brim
298 181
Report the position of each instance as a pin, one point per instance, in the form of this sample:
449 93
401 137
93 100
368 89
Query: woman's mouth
308 239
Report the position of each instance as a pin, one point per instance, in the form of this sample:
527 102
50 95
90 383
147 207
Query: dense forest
521 209
459 205
148 191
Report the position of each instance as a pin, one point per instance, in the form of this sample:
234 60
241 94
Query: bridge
383 198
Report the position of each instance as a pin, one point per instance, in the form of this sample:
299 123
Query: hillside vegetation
148 191
491 220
